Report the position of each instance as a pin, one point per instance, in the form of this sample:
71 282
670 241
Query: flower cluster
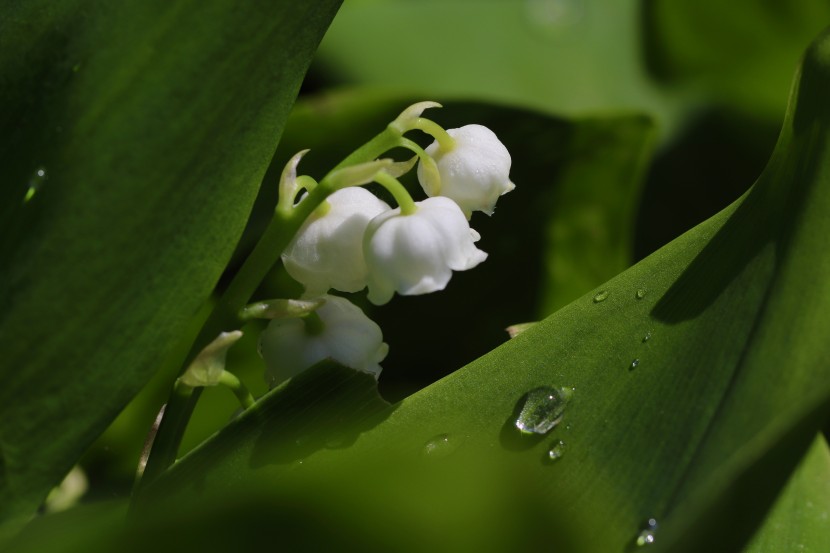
353 240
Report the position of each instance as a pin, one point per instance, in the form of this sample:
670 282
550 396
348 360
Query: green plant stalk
231 381
402 197
225 315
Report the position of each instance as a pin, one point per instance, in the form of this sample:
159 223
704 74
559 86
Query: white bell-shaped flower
343 333
327 251
417 253
474 173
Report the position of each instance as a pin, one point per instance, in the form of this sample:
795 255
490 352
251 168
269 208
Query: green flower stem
230 380
436 131
280 231
225 315
398 191
382 142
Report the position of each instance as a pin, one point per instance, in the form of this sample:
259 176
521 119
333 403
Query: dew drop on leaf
542 410
634 364
647 337
439 446
600 296
556 451
35 183
641 293
646 535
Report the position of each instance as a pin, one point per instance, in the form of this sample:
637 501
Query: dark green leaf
154 123
799 519
741 53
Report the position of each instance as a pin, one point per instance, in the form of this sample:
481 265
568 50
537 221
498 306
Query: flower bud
327 251
416 254
474 173
207 367
346 336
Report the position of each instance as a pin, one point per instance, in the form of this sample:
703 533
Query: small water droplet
35 183
556 451
646 535
439 446
647 337
542 410
634 364
601 296
641 293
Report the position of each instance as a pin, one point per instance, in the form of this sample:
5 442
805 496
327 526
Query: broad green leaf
740 53
800 518
699 372
135 136
570 57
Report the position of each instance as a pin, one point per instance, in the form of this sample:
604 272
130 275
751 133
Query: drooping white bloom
474 173
327 251
346 336
416 254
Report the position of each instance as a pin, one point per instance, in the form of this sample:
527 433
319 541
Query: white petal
416 254
327 251
474 173
349 337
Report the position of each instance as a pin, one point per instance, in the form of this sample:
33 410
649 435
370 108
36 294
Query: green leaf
730 386
571 57
741 53
153 123
798 520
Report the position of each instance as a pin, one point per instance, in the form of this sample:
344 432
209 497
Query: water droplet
634 364
35 183
647 337
641 293
556 451
646 535
439 446
601 296
542 410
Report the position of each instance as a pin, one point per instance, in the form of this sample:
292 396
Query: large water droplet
601 296
647 337
634 364
641 293
542 410
556 451
35 183
646 535
439 446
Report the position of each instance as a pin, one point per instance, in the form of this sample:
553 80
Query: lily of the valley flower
474 173
417 253
342 333
327 252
